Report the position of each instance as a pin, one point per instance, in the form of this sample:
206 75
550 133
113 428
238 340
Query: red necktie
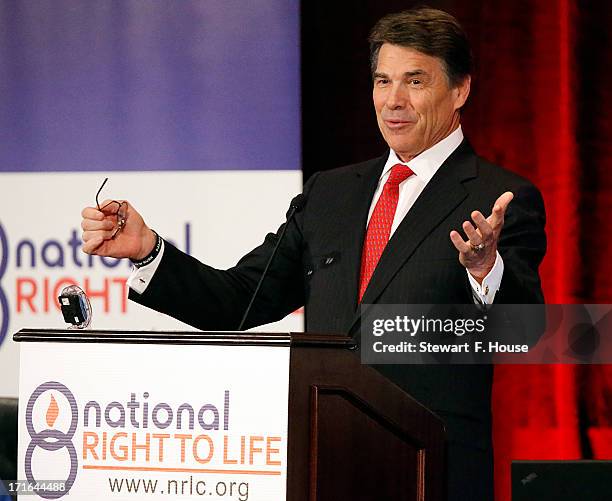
379 228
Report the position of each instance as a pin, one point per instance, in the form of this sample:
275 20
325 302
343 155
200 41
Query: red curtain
541 106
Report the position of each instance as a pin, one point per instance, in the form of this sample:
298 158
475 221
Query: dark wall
338 120
8 439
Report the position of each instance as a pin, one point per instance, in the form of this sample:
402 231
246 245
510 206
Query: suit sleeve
522 246
213 299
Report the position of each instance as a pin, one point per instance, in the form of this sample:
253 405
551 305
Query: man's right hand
134 241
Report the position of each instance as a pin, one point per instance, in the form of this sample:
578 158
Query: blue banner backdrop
153 85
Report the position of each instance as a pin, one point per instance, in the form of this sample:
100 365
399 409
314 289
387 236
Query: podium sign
153 421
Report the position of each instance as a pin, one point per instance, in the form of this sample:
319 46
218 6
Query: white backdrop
218 215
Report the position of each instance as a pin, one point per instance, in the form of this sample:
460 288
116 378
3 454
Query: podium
219 415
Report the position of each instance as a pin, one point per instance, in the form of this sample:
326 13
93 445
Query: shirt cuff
140 278
485 292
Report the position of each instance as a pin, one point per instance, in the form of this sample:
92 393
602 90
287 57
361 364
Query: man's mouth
395 123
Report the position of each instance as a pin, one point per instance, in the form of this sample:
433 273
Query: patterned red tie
379 228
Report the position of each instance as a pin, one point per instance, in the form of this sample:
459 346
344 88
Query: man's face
415 105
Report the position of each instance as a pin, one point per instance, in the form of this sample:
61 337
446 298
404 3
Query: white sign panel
128 421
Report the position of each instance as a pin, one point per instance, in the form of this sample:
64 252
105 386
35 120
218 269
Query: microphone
297 204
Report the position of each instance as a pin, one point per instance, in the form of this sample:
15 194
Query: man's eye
415 81
382 81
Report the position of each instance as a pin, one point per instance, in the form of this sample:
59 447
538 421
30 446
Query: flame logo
51 439
52 412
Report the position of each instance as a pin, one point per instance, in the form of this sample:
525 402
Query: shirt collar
425 164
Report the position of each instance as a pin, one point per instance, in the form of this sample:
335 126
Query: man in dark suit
382 231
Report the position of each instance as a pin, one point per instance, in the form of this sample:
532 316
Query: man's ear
462 91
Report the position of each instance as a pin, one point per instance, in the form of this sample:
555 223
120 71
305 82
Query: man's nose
397 98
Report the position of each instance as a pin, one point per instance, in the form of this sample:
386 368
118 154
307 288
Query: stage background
161 100
539 106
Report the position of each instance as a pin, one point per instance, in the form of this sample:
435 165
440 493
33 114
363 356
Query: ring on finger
477 248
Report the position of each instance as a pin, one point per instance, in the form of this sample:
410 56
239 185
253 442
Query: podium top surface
184 337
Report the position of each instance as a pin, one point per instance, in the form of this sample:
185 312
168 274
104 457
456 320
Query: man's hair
430 31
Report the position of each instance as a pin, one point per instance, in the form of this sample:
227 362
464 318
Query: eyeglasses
120 212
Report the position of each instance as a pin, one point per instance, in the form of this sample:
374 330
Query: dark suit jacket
419 265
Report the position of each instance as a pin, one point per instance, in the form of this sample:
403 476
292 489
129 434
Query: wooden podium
351 434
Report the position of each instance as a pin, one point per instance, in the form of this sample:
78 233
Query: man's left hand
479 251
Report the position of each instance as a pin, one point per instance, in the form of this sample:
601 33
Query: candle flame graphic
52 412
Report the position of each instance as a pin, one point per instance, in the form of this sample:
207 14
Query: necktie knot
399 173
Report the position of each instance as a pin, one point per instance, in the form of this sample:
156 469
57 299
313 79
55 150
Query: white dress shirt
424 167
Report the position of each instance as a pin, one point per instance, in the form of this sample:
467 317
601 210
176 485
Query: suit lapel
444 192
362 190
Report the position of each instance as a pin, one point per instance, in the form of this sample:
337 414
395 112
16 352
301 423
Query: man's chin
405 151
